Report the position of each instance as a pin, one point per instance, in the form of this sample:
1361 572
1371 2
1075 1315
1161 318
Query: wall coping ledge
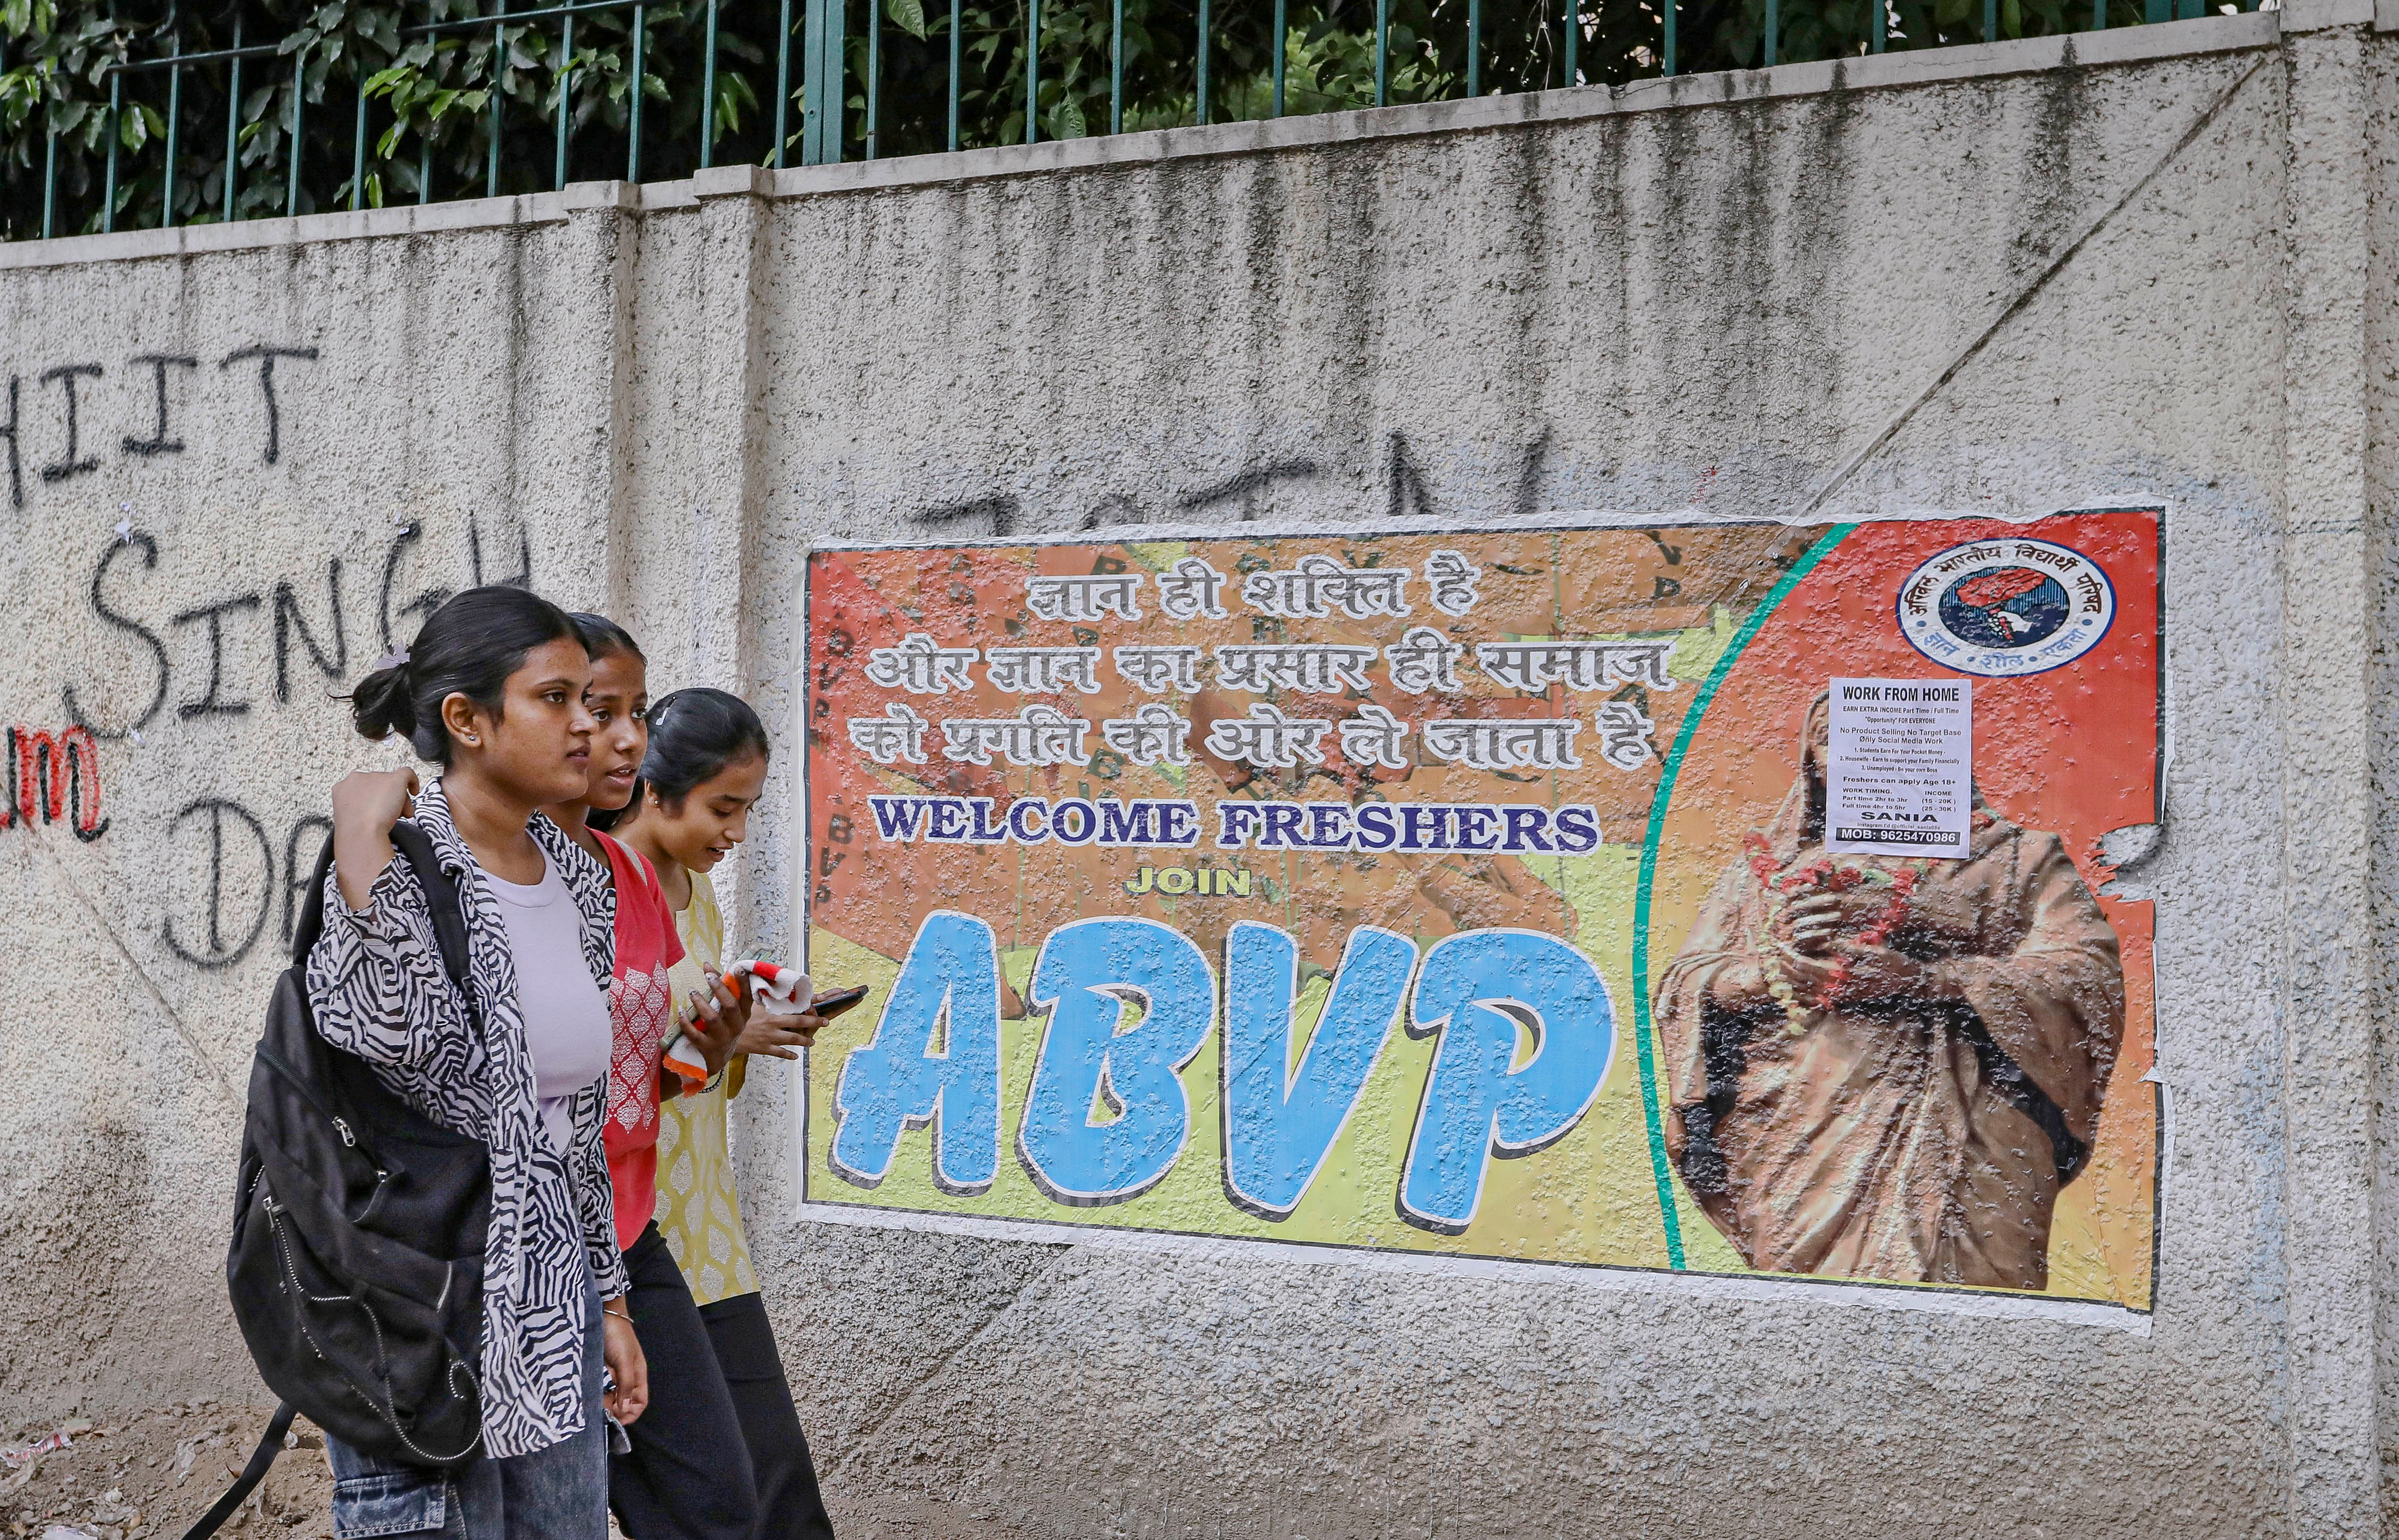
1929 66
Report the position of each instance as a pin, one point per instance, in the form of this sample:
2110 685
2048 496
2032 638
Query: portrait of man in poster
1885 1067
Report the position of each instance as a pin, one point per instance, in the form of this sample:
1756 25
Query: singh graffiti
1472 894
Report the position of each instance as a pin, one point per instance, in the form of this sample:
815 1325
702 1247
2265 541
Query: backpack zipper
347 1140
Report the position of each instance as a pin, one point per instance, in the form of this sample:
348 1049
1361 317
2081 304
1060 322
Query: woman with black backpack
492 691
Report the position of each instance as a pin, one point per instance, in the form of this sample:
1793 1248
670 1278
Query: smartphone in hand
830 1006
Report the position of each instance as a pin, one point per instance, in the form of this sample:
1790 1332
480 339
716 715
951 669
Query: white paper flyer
1901 780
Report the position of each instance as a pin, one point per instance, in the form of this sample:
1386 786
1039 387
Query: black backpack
357 1263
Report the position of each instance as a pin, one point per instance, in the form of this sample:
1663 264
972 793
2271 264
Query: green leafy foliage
403 101
414 95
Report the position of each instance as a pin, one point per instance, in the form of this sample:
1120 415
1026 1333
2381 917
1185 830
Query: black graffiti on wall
234 655
1250 491
244 876
48 433
224 656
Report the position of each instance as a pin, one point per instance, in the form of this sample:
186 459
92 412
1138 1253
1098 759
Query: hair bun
381 705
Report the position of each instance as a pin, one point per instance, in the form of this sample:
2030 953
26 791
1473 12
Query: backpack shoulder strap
269 1446
411 845
311 924
415 847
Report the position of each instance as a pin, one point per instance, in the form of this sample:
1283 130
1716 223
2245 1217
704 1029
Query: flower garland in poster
1826 873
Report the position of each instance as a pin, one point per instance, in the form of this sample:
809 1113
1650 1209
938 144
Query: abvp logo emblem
2004 607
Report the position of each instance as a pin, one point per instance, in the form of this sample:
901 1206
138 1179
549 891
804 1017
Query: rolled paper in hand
682 1059
778 991
781 990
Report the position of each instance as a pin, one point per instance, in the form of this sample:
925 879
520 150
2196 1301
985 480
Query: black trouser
789 1505
719 1454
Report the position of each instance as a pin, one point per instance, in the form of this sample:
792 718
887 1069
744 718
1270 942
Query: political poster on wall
1470 894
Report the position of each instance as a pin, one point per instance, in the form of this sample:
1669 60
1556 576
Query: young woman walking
705 769
492 691
686 1474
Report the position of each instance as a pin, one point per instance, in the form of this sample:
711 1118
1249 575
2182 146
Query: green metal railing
176 61
1545 43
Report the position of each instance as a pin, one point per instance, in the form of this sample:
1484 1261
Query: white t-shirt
565 1013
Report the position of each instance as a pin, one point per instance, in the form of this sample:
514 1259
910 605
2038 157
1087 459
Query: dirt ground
152 1473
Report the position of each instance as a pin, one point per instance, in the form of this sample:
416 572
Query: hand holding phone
830 1006
783 1036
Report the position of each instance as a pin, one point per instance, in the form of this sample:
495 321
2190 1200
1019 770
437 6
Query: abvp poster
1469 895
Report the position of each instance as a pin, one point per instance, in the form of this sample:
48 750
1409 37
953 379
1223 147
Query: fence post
299 93
174 116
875 75
116 126
1033 71
782 78
1574 42
499 62
1382 52
1200 98
708 95
836 73
958 20
565 93
633 116
358 150
233 124
49 183
1282 26
812 86
820 66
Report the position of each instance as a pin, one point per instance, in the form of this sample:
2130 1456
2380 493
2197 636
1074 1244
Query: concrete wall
2119 267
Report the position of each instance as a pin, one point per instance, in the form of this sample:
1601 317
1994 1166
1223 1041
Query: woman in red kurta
684 1472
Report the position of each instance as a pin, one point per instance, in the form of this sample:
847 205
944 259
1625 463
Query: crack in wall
865 1436
2016 306
234 1103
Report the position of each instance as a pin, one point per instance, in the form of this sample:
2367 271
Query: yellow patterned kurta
698 1213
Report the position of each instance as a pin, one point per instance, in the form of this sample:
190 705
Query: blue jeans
555 1493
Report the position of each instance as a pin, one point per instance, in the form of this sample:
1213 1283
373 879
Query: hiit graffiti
65 390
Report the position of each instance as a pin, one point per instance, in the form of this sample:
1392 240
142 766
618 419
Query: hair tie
392 660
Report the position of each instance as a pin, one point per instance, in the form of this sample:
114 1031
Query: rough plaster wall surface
2010 291
1738 300
2382 475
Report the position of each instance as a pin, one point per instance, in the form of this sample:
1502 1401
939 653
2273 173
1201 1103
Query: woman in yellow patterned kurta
698 1211
706 766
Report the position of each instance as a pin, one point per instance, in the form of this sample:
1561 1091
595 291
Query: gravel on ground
149 1475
